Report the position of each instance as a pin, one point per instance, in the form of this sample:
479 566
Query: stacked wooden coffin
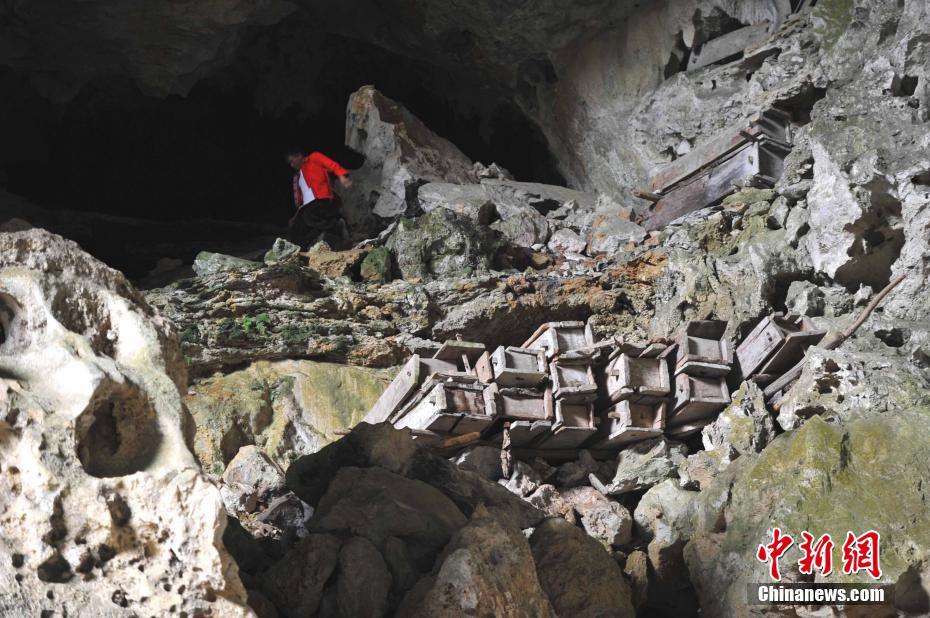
775 345
749 154
703 360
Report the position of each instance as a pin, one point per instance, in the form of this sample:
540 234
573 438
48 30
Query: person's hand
345 181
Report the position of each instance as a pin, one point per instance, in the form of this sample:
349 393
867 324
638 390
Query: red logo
860 553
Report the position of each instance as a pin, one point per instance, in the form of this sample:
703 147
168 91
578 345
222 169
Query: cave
128 171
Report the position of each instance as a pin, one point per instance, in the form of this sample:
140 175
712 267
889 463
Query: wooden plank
706 189
791 351
518 366
728 45
401 387
700 157
759 345
697 398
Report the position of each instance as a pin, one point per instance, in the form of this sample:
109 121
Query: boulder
547 499
442 245
609 228
564 241
484 460
285 409
745 426
487 569
574 473
378 504
609 522
469 200
280 251
401 154
322 259
642 465
207 263
362 581
510 194
295 583
522 226
376 267
579 576
251 477
95 470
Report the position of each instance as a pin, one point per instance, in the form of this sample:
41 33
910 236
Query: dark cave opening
218 152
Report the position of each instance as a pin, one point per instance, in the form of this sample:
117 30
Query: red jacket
316 170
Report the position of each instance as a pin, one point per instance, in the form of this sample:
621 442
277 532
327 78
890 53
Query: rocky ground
177 450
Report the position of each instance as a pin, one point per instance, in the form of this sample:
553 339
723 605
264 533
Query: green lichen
830 19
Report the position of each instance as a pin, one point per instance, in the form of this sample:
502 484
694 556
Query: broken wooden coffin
702 349
629 422
450 407
573 380
408 380
638 379
776 344
556 338
697 397
574 425
521 404
729 46
463 354
747 155
518 367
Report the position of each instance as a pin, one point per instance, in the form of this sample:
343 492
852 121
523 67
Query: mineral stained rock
97 477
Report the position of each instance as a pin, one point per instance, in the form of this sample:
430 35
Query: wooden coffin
702 349
573 380
632 422
776 344
698 397
451 408
464 354
729 46
758 163
411 376
773 125
638 379
680 432
525 433
518 367
574 424
522 404
556 338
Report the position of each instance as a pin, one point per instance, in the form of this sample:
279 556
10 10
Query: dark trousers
322 216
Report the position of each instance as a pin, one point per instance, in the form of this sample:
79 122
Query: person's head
295 158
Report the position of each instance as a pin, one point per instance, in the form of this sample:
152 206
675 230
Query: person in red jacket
318 207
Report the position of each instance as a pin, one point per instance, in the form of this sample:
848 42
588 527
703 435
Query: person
318 207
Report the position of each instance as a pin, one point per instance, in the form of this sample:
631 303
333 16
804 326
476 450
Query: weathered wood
521 403
524 433
632 422
728 45
514 366
702 349
560 337
483 369
647 195
450 407
573 380
639 379
414 372
697 397
776 343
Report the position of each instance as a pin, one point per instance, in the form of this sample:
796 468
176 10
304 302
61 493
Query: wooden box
526 433
411 376
573 380
521 403
702 349
776 344
451 408
632 422
514 366
729 46
698 397
559 337
639 379
689 428
574 424
464 354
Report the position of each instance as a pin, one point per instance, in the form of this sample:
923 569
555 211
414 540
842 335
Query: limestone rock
469 200
441 245
641 466
565 557
745 426
377 267
609 522
574 473
207 263
378 504
295 583
486 569
401 154
285 409
281 250
566 241
322 259
509 195
547 499
609 228
94 469
485 460
249 478
522 225
363 581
